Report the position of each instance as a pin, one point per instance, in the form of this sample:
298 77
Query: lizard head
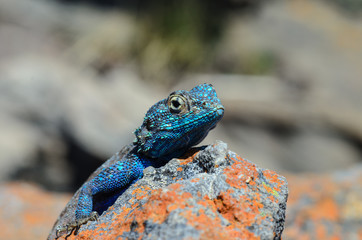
176 123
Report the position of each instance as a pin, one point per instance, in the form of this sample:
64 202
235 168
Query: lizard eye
177 104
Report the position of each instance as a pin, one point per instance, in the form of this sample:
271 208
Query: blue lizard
169 129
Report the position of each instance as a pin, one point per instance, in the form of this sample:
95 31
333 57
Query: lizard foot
74 226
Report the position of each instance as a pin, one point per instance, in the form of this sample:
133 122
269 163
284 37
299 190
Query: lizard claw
61 230
94 216
74 226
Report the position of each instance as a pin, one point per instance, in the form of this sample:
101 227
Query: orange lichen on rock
195 180
189 156
156 209
317 204
140 192
234 210
273 178
240 172
212 194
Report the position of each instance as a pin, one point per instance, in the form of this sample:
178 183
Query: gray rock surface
210 194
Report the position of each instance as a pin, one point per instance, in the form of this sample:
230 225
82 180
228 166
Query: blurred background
77 76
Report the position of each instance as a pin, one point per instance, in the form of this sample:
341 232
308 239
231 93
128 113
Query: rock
212 193
325 206
27 211
320 206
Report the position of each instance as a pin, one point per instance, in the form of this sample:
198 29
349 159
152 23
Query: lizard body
169 129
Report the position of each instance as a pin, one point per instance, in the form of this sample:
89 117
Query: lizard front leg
118 176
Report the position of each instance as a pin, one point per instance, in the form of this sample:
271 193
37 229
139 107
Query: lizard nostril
220 110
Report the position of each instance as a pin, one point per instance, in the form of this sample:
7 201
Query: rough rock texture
325 206
320 206
211 194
